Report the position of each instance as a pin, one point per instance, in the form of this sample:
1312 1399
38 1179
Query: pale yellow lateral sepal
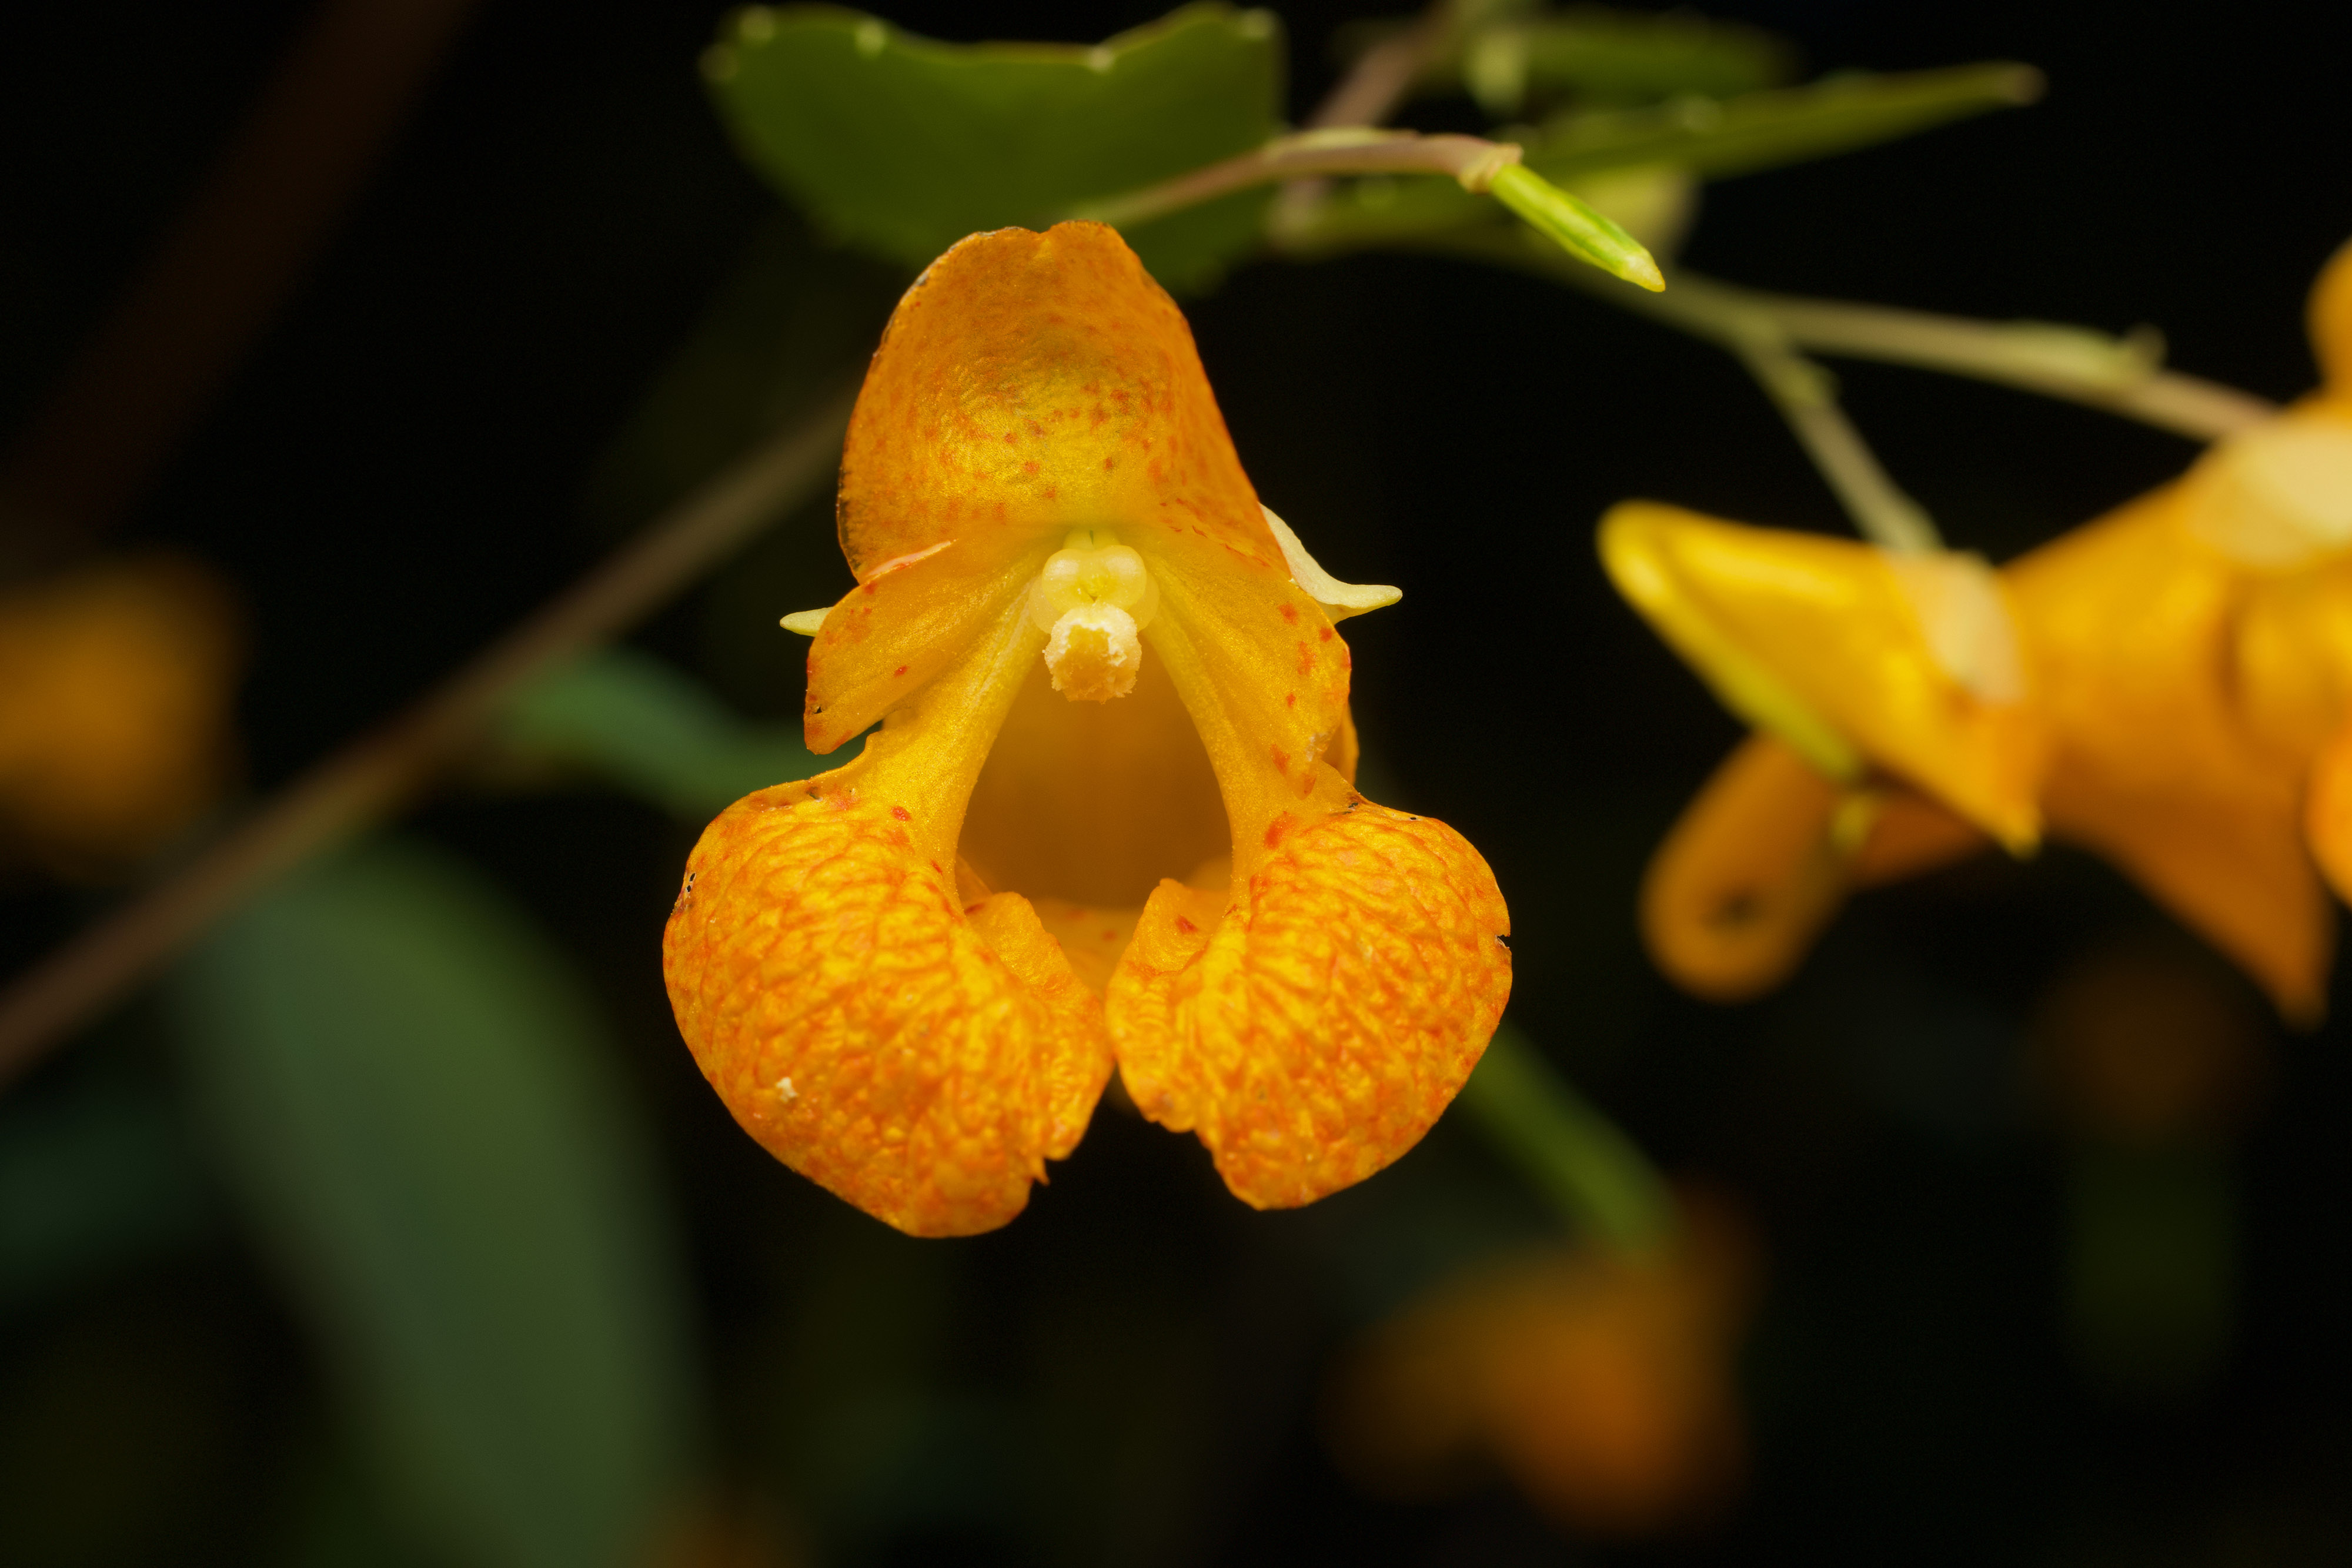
1338 599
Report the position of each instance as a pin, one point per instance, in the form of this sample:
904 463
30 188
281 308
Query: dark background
406 463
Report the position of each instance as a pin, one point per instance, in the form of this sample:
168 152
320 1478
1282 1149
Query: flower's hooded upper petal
1856 656
1029 384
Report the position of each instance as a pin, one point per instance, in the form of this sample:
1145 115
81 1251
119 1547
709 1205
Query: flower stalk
1479 165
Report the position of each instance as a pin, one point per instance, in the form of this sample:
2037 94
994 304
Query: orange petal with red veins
922 1066
1031 384
893 634
1313 1031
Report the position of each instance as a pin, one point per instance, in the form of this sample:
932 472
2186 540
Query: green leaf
652 731
1604 56
1699 136
1764 130
409 1087
93 1175
792 322
902 146
1567 1151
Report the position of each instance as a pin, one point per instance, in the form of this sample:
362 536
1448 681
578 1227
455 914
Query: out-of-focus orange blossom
717 1531
2142 1047
1109 816
2169 685
115 687
1601 1385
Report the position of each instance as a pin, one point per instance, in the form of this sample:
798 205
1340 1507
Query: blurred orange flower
2169 685
1038 491
1601 1385
2139 1048
114 710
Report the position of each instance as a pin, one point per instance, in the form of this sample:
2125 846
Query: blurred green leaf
1604 56
652 731
92 1175
902 146
1699 136
409 1087
790 322
1763 130
1567 1151
2151 1267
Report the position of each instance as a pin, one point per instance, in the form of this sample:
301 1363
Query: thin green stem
1804 392
1476 164
1374 86
1569 1153
2121 375
1472 160
377 775
1384 74
1807 398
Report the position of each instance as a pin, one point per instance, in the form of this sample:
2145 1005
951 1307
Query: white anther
1092 598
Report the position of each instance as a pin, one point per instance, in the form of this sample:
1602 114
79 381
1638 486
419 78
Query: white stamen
1092 599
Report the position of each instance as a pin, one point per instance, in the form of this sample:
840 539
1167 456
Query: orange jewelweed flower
1108 817
1601 1385
115 688
2169 685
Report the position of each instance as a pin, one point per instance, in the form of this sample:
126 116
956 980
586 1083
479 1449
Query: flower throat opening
1085 797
